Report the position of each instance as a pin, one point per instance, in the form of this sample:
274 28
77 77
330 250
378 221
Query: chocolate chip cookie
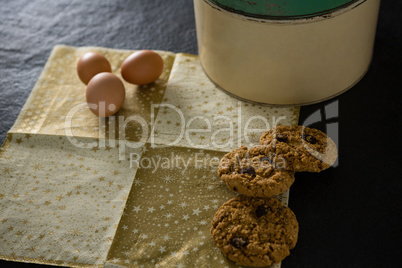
254 174
254 231
303 148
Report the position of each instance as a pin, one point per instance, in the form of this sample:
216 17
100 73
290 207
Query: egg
142 67
90 64
105 94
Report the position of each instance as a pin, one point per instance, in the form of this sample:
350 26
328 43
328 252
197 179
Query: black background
349 216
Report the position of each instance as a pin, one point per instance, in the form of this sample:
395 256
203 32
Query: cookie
254 231
253 175
303 148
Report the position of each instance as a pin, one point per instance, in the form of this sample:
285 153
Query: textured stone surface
30 29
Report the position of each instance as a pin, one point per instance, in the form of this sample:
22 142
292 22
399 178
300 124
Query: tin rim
323 15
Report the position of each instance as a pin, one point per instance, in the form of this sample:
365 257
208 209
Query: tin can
285 52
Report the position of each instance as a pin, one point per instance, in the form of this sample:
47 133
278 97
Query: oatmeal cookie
254 175
254 231
302 148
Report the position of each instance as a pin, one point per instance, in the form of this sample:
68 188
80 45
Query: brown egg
90 64
105 94
142 67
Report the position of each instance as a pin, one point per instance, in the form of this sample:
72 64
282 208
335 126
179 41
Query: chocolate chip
309 138
261 211
247 170
238 242
266 158
282 138
235 189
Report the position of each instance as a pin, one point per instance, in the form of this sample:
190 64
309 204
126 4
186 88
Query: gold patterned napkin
60 204
135 190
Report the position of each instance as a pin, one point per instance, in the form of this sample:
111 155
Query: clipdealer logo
238 130
327 115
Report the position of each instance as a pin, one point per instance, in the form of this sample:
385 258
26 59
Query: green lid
281 9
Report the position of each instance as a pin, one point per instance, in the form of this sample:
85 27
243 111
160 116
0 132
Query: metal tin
294 56
281 8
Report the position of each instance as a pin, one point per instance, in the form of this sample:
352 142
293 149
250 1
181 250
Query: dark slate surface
350 216
30 29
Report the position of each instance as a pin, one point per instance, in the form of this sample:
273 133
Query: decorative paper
207 117
60 204
80 191
167 218
59 94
